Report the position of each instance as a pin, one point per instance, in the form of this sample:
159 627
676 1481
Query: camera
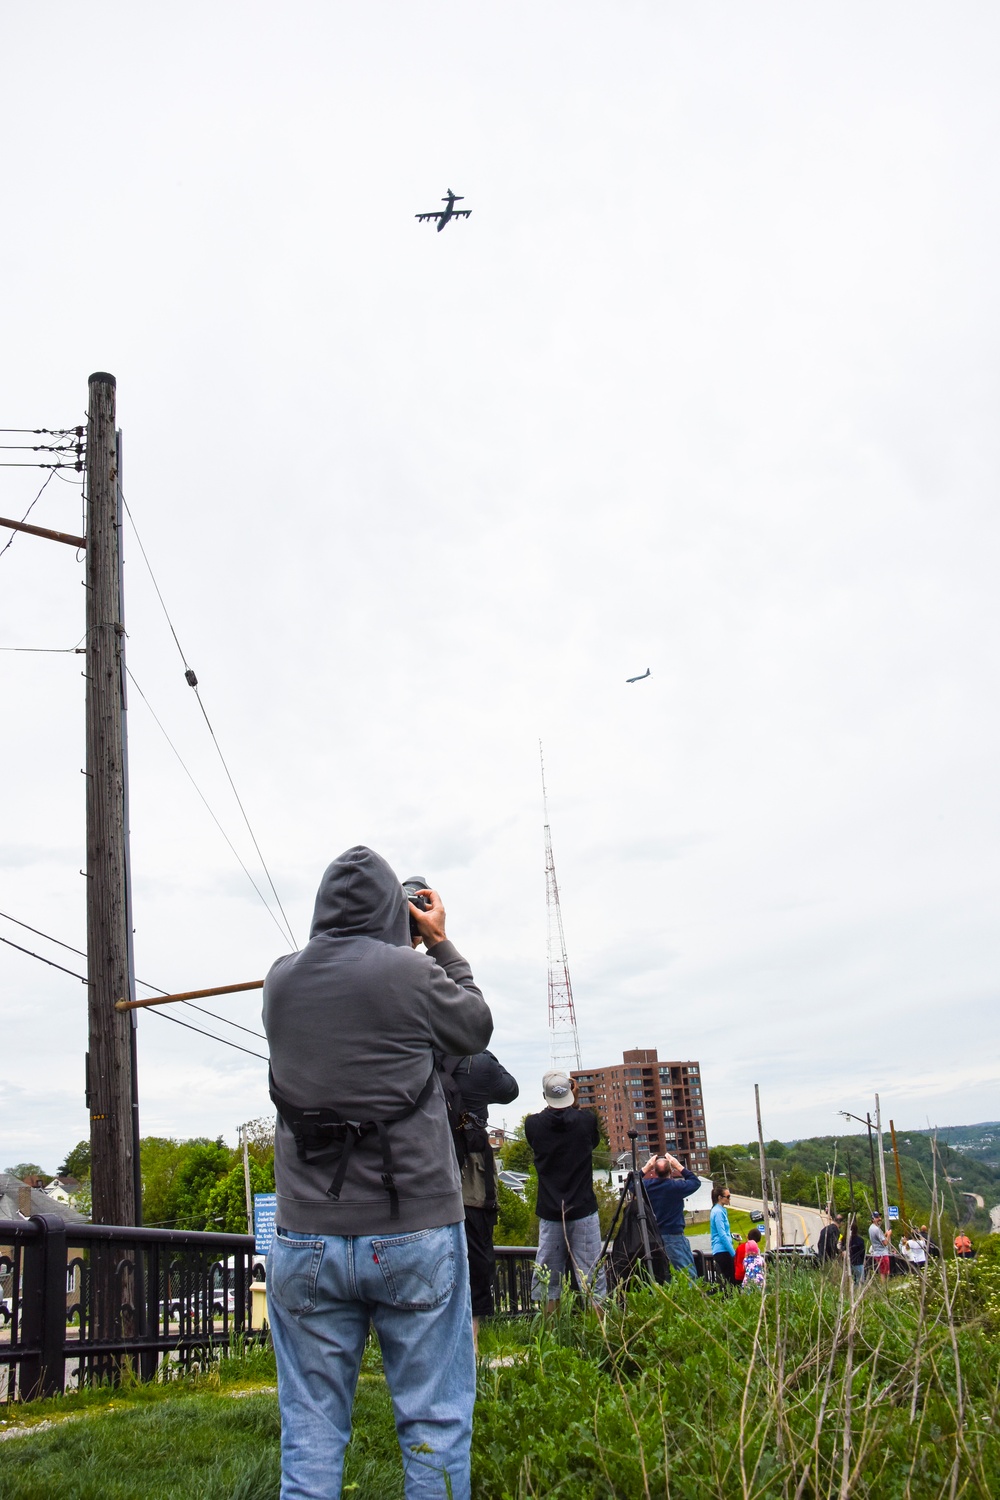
411 888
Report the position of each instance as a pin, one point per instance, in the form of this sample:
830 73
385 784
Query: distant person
828 1246
753 1265
880 1244
478 1082
914 1247
667 1184
933 1250
742 1251
963 1246
856 1252
723 1248
563 1137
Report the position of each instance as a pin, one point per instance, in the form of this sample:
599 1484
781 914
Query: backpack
468 1132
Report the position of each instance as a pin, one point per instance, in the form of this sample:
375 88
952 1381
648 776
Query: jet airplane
443 215
645 674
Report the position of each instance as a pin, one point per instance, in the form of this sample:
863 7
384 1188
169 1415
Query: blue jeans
323 1293
679 1253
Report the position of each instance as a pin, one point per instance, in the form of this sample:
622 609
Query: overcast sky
706 384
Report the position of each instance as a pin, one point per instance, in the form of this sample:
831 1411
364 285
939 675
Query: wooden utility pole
763 1165
246 1178
881 1164
109 1060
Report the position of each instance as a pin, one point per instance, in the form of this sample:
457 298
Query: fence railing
512 1280
86 1301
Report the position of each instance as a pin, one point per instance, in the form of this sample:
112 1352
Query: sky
706 384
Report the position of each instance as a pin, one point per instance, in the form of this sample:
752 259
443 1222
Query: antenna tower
563 1038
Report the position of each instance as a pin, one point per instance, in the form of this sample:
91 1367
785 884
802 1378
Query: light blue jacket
722 1239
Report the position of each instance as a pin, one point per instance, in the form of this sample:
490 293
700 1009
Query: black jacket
563 1141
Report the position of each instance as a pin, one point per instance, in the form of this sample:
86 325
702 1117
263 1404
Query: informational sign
893 1211
265 1206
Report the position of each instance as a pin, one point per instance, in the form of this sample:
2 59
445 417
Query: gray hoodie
353 1021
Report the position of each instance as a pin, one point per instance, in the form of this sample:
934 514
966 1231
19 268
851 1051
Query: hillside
981 1142
809 1168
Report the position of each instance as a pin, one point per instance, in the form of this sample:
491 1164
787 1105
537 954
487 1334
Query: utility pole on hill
109 1059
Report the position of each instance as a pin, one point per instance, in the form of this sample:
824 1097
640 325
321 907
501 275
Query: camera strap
324 1135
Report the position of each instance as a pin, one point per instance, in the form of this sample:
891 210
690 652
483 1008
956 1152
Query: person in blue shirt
667 1184
723 1249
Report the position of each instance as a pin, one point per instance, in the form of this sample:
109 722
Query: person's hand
430 923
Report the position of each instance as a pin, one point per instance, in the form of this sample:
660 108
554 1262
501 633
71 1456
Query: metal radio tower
563 1038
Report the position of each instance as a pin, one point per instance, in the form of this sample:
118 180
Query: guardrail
86 1301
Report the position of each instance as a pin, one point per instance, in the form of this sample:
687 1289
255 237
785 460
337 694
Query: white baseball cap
557 1090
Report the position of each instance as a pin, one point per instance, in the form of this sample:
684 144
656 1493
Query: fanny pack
324 1135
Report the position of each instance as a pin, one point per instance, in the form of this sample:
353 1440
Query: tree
515 1221
77 1163
177 1177
515 1153
226 1204
28 1169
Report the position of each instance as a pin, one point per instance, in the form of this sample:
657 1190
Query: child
753 1267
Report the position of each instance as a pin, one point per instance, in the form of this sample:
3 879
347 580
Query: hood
360 895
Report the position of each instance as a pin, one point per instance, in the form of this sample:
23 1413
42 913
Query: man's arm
459 1017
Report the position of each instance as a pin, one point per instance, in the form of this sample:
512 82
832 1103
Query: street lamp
867 1122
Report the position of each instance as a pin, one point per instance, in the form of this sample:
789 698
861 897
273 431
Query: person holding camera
471 1085
563 1137
667 1184
369 1198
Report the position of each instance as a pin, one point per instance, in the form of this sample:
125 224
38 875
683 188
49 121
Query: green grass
739 1224
675 1394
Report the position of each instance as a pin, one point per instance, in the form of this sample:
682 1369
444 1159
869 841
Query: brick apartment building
662 1101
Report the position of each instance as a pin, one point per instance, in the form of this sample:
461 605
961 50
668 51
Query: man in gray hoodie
369 1199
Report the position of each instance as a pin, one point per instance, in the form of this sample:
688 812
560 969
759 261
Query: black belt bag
323 1136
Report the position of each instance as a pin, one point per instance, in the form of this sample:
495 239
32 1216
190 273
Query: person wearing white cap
563 1137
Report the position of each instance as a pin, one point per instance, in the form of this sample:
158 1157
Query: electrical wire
51 963
27 513
204 799
47 650
178 1022
193 682
144 982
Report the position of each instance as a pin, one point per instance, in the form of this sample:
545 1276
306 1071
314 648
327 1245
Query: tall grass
808 1391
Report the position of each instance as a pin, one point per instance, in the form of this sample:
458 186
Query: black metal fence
512 1280
85 1301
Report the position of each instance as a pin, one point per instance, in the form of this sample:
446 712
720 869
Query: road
802 1224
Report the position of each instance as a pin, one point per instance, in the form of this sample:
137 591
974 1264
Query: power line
46 650
49 961
204 799
177 1022
144 982
192 681
27 513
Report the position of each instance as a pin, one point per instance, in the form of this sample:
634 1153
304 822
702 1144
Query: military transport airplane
645 674
451 212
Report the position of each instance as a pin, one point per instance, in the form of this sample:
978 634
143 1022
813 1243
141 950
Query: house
20 1200
63 1189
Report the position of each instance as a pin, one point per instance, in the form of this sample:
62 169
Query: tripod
635 1233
